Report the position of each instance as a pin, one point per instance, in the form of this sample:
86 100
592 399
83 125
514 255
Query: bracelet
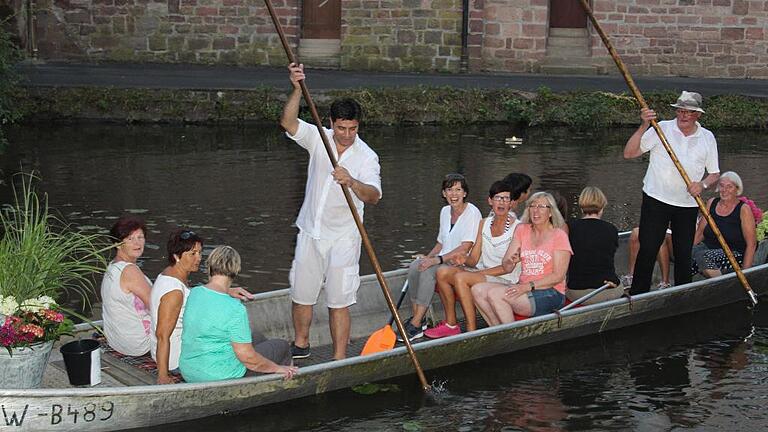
440 257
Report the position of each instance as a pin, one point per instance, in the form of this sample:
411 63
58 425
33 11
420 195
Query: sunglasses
186 235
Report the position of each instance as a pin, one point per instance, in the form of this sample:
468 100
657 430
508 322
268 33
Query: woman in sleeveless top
125 291
736 223
541 248
169 294
482 265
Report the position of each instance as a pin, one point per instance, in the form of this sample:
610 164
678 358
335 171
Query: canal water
243 186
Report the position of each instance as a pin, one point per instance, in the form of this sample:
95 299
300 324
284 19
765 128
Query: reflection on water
244 186
697 371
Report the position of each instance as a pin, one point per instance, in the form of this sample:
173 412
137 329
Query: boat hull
131 407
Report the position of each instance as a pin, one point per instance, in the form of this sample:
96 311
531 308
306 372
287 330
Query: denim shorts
544 301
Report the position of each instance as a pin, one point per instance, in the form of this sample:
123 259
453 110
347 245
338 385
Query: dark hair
452 179
518 184
124 226
498 187
180 241
562 203
346 109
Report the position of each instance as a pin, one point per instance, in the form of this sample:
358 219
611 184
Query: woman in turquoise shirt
217 343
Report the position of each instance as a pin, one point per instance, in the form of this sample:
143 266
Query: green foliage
40 255
407 105
9 80
735 112
762 227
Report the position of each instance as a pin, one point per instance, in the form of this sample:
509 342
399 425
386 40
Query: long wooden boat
126 405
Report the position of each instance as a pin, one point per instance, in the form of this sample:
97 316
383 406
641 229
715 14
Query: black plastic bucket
83 361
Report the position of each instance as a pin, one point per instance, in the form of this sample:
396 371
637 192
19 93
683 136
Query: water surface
244 187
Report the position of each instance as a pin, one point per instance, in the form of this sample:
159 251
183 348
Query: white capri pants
335 263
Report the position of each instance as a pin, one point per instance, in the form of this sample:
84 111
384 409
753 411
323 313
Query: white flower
38 304
8 305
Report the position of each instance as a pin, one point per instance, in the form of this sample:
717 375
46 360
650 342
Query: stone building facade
714 38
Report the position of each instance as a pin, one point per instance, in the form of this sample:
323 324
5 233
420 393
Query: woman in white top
125 291
458 230
169 294
483 264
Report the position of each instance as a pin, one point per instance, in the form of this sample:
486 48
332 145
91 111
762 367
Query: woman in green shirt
217 343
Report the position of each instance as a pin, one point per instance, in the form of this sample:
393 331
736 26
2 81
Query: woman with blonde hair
540 246
594 242
217 342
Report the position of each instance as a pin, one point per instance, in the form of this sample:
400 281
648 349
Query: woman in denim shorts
543 251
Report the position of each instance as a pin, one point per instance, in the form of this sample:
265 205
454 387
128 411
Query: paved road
243 78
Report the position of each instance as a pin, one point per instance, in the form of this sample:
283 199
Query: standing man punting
666 200
328 242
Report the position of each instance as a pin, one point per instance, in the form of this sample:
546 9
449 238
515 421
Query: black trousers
655 217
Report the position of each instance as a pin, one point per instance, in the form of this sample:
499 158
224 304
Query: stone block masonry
414 35
180 31
708 38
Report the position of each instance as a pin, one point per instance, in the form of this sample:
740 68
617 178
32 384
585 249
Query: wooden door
321 19
567 14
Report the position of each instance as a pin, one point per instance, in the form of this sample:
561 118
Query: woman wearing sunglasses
542 250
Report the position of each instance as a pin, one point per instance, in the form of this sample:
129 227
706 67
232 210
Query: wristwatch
533 286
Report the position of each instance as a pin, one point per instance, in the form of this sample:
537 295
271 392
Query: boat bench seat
138 369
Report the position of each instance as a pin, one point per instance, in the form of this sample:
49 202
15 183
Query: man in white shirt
666 200
328 243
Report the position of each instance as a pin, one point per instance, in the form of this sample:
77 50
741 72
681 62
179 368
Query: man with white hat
666 200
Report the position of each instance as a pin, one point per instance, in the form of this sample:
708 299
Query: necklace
507 222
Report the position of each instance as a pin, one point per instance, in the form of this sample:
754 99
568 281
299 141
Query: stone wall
514 36
186 31
716 38
417 35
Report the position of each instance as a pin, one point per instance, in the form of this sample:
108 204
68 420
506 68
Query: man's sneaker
412 331
626 280
663 285
298 352
442 330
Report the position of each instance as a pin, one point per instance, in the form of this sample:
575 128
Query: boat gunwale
191 387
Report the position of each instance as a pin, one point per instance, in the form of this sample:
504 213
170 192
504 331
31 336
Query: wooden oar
670 151
384 339
582 299
363 233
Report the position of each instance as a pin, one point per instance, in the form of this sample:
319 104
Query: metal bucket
24 367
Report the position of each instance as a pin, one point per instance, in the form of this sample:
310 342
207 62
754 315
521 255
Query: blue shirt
212 321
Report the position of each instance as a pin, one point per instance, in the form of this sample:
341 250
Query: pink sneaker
442 330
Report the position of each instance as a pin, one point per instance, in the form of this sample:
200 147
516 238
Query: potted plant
41 259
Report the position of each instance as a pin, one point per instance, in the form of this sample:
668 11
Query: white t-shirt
494 249
696 152
465 229
163 285
325 213
126 318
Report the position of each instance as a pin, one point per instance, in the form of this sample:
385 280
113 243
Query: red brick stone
206 11
755 33
732 33
523 43
224 43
